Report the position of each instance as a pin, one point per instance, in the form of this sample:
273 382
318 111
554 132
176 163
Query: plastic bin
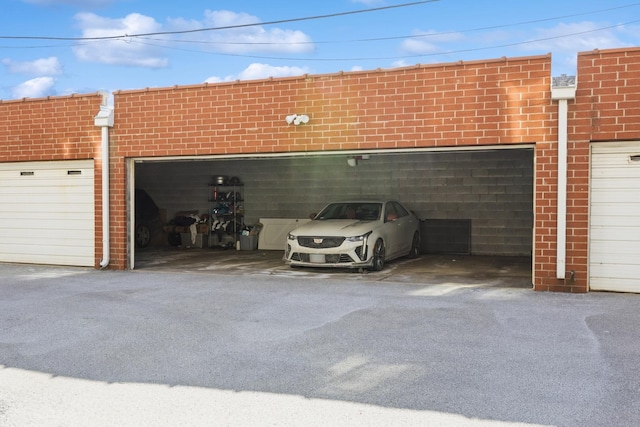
249 243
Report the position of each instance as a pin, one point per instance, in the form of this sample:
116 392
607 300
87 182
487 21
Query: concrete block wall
492 188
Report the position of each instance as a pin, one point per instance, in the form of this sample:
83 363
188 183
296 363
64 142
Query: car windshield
364 211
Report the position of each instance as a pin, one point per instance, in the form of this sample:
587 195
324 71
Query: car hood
334 227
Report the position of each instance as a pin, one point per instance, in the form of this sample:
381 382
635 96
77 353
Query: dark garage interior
477 202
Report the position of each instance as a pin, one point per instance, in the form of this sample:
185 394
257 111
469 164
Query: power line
403 37
149 36
136 38
198 30
400 57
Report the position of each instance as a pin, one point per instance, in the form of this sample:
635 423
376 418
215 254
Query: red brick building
424 125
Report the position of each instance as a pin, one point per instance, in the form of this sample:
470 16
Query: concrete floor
460 270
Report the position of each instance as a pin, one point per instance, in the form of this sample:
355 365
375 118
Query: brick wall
491 102
606 108
60 128
494 102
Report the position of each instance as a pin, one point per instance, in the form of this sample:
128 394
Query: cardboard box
202 240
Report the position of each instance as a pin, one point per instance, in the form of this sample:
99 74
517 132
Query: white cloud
400 63
120 51
40 67
575 37
565 40
35 88
429 41
253 38
260 71
136 51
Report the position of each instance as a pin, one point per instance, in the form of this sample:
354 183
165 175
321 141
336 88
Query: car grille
329 258
320 242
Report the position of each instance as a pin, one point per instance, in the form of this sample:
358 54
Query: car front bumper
347 255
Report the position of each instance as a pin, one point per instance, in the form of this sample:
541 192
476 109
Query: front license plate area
317 258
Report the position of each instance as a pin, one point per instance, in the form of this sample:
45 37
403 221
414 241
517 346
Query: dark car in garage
148 225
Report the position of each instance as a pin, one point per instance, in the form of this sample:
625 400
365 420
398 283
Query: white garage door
47 213
614 249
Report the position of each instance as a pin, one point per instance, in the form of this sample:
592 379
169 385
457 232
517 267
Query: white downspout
562 90
104 119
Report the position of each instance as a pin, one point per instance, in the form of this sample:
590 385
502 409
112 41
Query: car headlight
291 237
362 238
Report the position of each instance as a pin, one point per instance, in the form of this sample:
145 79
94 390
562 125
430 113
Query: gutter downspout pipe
563 89
104 119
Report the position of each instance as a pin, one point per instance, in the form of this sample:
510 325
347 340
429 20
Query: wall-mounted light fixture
297 119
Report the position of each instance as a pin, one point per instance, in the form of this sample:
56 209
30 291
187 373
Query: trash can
249 242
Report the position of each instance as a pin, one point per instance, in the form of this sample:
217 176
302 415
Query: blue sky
58 47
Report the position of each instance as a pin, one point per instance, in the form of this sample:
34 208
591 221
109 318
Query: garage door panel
612 220
74 259
614 246
604 209
47 212
49 200
618 234
614 271
45 248
621 256
35 214
618 195
20 234
52 213
614 284
609 178
622 183
625 196
43 181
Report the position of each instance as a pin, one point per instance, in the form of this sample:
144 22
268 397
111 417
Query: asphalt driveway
85 347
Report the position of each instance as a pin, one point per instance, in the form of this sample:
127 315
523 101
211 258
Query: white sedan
355 234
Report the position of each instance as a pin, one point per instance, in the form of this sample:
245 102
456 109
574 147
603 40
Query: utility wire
198 30
292 58
148 36
493 27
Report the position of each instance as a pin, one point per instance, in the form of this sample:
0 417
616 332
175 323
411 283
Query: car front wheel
378 256
415 246
143 236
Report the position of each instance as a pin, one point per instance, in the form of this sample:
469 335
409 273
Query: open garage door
615 217
482 197
47 213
